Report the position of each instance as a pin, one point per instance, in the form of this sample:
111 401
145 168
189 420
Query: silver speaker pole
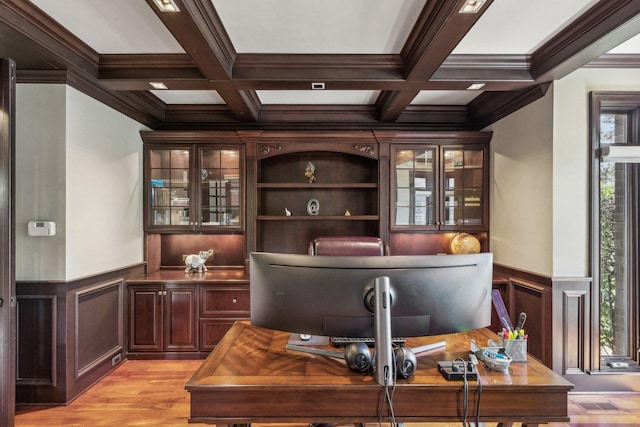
383 368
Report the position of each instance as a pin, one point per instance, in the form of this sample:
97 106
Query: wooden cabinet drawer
224 300
212 331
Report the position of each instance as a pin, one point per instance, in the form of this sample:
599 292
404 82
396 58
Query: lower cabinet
163 318
220 307
182 320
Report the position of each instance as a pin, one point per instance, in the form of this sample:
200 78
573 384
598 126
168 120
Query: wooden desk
251 378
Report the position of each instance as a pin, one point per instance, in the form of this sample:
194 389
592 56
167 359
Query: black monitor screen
333 296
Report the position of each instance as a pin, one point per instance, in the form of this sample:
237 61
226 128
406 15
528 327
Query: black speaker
405 361
358 356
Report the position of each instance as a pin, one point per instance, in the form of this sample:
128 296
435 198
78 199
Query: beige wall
520 188
78 163
540 177
571 163
40 180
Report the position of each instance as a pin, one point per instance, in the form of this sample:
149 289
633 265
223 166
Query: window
615 231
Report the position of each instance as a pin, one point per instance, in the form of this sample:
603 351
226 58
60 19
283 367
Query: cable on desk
474 362
387 397
465 400
478 400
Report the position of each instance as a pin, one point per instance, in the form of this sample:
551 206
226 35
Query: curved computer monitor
333 296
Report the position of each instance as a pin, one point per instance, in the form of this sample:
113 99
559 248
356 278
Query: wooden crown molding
607 24
425 63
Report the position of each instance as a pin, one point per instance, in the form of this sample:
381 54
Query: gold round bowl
464 243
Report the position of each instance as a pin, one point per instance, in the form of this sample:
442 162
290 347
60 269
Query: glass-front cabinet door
169 179
439 187
219 187
463 187
194 187
415 187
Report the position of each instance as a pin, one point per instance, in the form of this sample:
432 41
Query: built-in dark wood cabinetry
310 189
163 318
176 315
415 190
439 187
193 182
221 305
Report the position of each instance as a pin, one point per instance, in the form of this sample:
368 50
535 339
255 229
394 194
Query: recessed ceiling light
166 5
158 85
475 86
471 6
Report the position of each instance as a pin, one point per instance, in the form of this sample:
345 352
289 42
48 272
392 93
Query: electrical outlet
116 359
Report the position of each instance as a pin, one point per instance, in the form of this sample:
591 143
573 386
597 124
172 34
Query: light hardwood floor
152 393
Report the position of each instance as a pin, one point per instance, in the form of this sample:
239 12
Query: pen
505 323
521 319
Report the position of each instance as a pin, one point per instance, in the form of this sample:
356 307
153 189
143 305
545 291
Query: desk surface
252 377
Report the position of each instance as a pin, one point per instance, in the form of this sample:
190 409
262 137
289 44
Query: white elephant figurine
196 262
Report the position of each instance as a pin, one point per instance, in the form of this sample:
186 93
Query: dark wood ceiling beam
68 60
210 117
437 31
297 72
490 107
615 60
244 103
125 84
485 68
606 25
199 30
321 67
141 106
61 48
148 66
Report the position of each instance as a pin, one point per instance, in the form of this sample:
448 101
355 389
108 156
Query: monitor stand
383 367
383 362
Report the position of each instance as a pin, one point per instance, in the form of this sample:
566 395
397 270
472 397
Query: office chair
348 246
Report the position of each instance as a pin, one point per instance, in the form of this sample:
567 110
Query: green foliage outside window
607 258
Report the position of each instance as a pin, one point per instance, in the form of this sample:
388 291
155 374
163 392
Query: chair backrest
348 246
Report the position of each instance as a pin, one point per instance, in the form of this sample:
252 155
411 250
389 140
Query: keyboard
344 341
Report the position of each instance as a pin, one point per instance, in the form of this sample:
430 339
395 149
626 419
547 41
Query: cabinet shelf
318 218
459 168
298 186
344 180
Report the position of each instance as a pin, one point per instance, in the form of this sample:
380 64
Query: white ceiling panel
520 26
445 97
322 97
631 46
113 26
311 26
188 96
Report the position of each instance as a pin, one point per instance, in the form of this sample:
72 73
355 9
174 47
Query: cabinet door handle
160 293
164 292
234 300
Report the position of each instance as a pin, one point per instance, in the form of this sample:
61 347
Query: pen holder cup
517 349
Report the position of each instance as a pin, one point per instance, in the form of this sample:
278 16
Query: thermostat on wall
42 228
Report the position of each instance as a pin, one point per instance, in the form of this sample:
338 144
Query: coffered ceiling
315 64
